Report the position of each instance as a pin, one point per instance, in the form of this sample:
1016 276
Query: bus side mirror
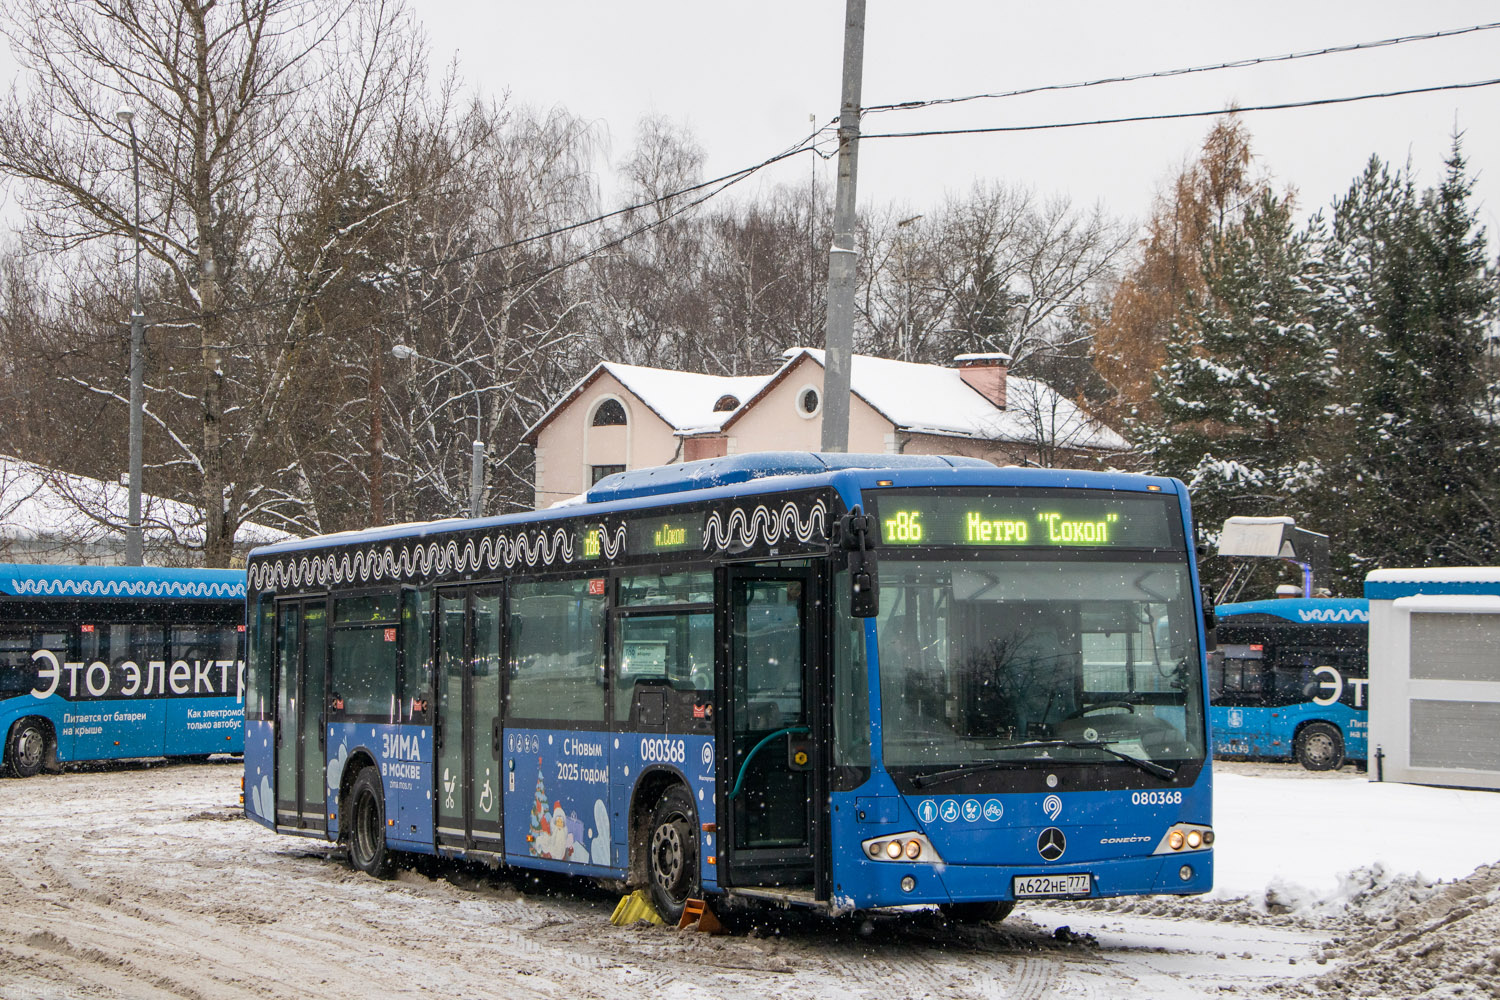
854 535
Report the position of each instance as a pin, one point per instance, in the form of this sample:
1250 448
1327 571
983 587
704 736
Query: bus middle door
467 769
301 714
769 764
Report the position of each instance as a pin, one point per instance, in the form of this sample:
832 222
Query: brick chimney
985 374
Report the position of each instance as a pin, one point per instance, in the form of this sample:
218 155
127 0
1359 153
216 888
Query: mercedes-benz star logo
1051 844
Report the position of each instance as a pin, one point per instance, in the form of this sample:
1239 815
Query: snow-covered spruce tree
1247 377
1417 482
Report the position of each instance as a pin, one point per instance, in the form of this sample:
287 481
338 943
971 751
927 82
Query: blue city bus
105 662
1288 681
839 682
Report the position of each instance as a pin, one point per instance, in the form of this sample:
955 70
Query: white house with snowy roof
622 417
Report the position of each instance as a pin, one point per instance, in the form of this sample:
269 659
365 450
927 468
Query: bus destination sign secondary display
1020 521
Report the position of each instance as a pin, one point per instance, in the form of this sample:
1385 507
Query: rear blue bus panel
1289 681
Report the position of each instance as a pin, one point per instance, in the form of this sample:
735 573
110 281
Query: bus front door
301 713
769 767
468 720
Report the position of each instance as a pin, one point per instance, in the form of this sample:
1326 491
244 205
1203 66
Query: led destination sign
665 534
1000 521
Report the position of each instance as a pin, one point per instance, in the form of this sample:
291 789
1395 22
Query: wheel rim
1319 748
669 857
366 829
29 746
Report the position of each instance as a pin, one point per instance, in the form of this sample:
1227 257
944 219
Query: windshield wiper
938 777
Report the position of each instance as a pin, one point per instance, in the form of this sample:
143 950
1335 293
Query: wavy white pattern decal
1334 615
764 525
487 553
545 547
35 587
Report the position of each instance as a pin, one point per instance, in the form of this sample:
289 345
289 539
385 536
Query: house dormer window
610 413
809 401
726 403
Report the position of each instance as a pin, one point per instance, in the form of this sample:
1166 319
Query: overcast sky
746 76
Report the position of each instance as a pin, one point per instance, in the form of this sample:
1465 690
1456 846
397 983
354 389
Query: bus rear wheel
673 854
1320 747
366 815
26 748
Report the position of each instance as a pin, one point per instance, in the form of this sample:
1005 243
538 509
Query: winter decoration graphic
538 812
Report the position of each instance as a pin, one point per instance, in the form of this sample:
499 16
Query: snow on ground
146 881
1300 834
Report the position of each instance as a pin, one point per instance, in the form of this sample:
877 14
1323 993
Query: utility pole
842 257
134 536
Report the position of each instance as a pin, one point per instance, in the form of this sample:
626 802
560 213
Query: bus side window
416 638
262 651
674 652
364 659
557 651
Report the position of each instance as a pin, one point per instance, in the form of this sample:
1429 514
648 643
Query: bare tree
245 113
488 304
995 271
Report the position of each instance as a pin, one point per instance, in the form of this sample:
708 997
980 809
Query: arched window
725 404
609 414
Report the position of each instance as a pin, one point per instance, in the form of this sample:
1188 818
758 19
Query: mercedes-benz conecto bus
102 662
840 681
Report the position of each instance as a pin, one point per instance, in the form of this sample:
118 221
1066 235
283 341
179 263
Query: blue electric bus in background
102 662
842 682
1288 680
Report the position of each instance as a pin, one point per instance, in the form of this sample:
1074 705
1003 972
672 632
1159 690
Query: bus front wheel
26 748
978 913
366 817
673 851
1320 747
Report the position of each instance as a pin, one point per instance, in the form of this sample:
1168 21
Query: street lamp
134 547
476 468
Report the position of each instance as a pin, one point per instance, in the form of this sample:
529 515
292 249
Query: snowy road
142 881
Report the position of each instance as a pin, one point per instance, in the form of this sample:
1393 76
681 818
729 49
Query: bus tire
26 748
366 813
978 913
672 854
1319 747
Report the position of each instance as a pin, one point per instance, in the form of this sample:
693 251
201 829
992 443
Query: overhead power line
1169 73
1169 116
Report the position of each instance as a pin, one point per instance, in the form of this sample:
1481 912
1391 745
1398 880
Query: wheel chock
633 908
695 913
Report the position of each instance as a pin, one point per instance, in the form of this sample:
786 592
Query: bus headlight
911 846
1185 837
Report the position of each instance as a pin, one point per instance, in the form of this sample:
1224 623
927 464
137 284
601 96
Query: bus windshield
999 660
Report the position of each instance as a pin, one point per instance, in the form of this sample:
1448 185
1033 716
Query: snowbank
1302 839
